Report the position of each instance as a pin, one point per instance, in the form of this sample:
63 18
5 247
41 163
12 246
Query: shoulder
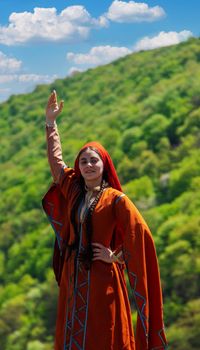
123 206
117 197
66 172
113 194
68 181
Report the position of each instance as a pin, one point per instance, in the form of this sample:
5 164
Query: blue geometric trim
81 297
133 282
136 296
165 345
143 318
86 316
68 327
53 223
119 197
75 330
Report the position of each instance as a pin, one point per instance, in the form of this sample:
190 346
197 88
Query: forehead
89 153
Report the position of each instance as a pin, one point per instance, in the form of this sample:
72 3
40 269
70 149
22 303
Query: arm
144 276
54 150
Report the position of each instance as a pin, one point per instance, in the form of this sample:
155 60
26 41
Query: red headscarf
109 168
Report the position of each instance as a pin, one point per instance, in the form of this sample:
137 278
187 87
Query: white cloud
6 78
4 94
4 90
8 64
36 78
73 23
98 55
74 70
21 83
162 39
26 78
14 80
131 11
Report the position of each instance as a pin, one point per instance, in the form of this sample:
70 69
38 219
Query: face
91 165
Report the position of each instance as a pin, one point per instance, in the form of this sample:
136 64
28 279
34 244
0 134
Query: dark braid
78 200
86 255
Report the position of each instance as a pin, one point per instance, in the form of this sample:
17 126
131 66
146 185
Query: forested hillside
145 109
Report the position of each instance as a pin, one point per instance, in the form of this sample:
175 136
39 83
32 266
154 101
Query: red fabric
109 168
99 299
54 205
106 309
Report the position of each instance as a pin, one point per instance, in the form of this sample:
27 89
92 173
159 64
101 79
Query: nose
89 164
86 163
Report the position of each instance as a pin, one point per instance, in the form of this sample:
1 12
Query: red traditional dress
93 306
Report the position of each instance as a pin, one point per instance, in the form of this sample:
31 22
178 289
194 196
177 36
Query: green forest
145 109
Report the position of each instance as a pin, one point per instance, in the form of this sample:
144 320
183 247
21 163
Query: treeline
145 109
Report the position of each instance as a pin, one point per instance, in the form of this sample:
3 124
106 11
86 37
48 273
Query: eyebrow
84 158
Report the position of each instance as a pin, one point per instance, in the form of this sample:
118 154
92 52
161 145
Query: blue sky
44 40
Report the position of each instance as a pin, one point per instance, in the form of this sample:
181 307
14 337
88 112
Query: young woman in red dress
99 233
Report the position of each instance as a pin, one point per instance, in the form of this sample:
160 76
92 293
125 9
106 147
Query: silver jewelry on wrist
51 124
116 257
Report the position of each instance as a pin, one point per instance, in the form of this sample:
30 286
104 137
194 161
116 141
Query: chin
91 177
86 177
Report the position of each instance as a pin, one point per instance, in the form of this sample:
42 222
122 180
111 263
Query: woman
99 232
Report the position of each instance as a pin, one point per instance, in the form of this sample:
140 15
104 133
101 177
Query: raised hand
52 108
100 252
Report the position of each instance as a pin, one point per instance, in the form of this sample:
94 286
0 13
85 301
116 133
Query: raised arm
54 150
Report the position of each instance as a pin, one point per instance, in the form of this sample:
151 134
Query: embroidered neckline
94 189
90 198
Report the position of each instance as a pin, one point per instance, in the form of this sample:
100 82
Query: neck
93 183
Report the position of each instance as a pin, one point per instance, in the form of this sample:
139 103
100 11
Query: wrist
118 257
50 123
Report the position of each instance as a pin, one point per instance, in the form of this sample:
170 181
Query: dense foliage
145 109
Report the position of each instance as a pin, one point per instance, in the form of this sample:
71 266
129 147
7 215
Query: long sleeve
54 152
56 201
144 276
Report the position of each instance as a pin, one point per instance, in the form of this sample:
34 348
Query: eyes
92 161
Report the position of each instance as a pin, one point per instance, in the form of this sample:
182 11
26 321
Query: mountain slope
145 109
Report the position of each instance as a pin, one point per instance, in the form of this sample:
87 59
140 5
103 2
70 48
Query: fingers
53 104
96 258
61 106
99 248
55 96
98 245
100 252
52 98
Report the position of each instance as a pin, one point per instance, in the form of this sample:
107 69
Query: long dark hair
110 176
86 254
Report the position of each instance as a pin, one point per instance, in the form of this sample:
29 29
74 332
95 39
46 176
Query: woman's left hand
100 252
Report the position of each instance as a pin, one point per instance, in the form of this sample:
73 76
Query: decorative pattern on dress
56 225
140 303
77 314
76 320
